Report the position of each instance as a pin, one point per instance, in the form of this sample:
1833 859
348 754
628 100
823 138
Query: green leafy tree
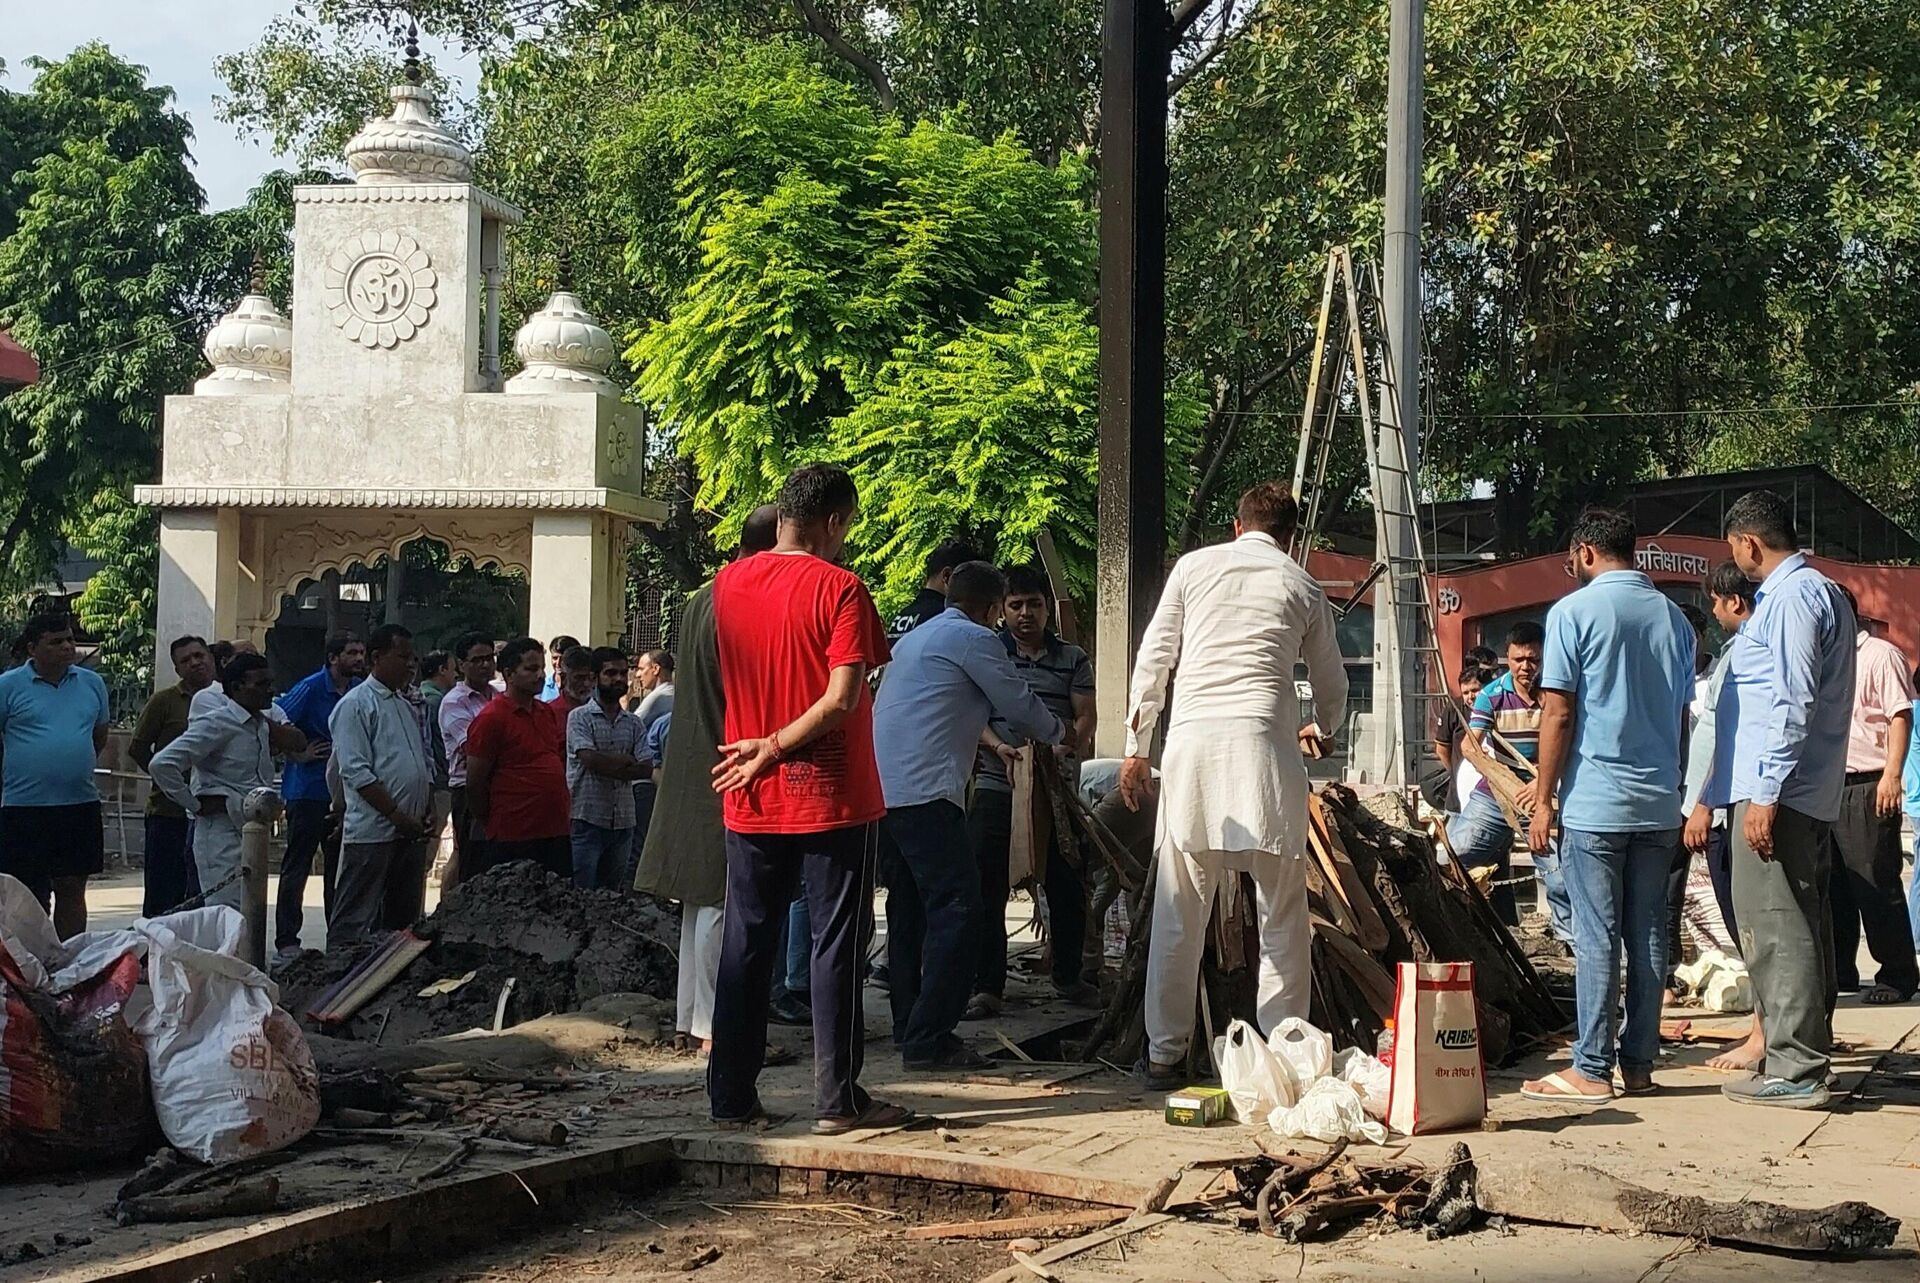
992 431
94 280
832 243
309 85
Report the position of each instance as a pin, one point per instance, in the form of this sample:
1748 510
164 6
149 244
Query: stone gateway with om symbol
380 288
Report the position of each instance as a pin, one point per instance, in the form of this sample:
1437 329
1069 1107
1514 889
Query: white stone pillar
198 580
569 588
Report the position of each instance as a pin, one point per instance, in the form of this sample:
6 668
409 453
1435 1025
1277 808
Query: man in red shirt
517 771
796 637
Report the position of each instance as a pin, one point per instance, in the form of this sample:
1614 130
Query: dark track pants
763 870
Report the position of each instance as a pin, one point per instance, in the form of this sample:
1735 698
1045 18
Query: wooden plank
1372 979
914 1164
453 1201
1074 1247
1368 929
1559 1193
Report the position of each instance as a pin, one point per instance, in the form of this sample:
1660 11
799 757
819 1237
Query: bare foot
1747 1057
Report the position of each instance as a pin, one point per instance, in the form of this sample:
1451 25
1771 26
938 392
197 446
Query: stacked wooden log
1377 896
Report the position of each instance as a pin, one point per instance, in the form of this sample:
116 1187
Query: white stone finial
251 349
563 349
409 146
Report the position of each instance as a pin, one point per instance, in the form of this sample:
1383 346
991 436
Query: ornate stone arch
304 546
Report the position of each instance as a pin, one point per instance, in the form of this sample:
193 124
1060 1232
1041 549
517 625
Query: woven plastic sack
232 1074
73 1079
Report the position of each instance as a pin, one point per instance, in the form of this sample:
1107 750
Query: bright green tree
838 252
95 281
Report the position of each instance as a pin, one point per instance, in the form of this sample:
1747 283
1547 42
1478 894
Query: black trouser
404 896
1720 870
457 795
1866 891
1676 907
171 876
990 827
763 870
307 823
932 968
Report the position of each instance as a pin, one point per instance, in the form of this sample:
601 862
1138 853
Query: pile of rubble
509 945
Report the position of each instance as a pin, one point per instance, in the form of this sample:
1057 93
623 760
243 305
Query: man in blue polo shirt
53 724
303 784
1616 675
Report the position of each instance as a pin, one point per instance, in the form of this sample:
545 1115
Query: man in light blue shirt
53 724
1780 760
381 750
1616 676
946 678
210 769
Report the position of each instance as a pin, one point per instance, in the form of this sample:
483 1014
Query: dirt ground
757 1241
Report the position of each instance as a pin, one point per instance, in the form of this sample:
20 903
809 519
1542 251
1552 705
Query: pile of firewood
1377 895
1295 1197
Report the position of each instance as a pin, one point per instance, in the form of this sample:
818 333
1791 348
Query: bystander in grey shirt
222 753
377 739
946 678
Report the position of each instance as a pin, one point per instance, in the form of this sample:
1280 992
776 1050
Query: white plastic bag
1256 1081
232 1074
1719 980
1366 1075
1329 1111
1304 1049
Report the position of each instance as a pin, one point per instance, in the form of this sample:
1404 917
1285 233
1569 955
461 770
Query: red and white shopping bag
1438 1078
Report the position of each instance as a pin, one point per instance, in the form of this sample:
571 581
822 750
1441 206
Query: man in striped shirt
1508 706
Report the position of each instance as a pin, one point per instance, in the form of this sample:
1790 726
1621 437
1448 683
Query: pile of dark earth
561 947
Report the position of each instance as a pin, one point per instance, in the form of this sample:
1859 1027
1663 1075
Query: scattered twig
461 1153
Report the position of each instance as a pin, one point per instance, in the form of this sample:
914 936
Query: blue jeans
1618 886
799 945
1480 836
1913 899
601 857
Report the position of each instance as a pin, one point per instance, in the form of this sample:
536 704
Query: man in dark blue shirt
303 784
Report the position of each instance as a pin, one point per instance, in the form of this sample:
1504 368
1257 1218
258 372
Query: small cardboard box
1198 1106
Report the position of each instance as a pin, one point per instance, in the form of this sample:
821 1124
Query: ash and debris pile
560 946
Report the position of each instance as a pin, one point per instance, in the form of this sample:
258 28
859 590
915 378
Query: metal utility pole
1397 610
1135 56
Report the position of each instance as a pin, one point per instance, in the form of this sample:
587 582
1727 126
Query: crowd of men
1783 764
809 749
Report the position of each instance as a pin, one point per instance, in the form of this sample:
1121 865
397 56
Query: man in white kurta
1234 620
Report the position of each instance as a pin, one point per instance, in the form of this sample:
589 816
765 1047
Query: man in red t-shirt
796 637
517 771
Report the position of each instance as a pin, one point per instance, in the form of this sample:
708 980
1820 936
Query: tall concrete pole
1396 670
1134 56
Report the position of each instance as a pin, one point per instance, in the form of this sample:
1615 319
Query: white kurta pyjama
1234 620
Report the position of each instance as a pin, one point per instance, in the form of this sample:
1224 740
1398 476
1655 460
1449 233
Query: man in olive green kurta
685 854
